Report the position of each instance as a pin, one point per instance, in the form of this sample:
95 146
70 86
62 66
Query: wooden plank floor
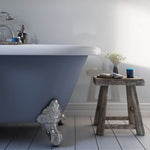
78 134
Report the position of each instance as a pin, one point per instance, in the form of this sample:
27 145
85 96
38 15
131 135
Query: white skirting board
113 109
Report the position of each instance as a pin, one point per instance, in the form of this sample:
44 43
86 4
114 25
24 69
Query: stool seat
124 81
134 114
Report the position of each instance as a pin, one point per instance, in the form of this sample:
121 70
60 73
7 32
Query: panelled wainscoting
78 134
113 109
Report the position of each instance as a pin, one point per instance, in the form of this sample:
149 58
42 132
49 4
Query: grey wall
110 24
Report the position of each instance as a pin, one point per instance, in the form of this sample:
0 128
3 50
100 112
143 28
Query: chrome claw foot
49 119
55 136
62 119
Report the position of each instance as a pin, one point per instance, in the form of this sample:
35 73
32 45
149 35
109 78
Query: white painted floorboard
108 141
144 140
7 134
85 138
126 138
23 138
78 134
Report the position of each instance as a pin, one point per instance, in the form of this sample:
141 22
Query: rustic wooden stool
134 114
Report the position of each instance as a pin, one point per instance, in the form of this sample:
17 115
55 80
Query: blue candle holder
130 72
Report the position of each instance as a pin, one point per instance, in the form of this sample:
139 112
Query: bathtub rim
49 49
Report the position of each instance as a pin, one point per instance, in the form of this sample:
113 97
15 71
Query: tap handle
19 33
22 28
22 34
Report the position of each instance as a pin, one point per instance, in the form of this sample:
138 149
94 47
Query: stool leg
101 90
101 112
136 109
130 106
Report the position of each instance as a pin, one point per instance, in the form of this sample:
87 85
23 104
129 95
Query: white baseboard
113 109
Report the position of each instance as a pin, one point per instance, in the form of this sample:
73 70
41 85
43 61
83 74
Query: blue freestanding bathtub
31 75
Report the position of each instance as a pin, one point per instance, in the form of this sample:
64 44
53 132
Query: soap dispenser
22 35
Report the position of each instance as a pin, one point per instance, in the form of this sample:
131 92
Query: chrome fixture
3 25
22 35
8 17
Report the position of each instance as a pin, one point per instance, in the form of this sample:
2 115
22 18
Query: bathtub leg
49 119
62 119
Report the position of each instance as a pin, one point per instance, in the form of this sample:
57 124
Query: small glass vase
115 69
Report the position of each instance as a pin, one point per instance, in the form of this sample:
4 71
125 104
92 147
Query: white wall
109 24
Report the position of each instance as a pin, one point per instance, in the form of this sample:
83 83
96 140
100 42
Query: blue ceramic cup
15 39
130 72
